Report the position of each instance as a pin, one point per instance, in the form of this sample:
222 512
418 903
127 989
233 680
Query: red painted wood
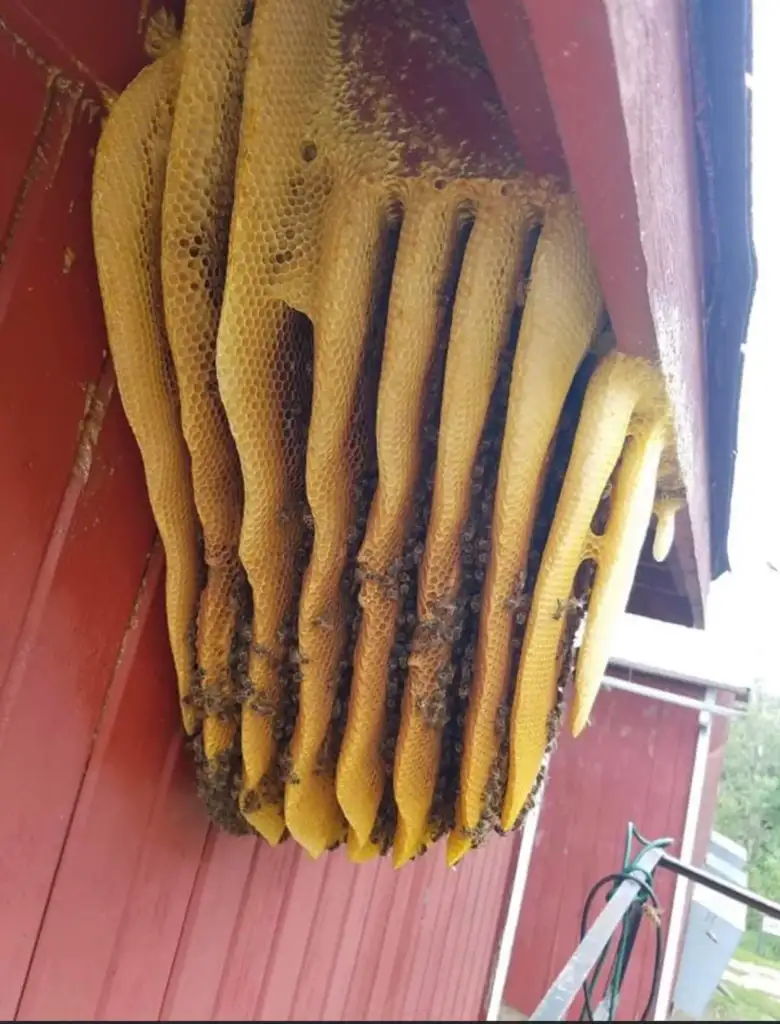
25 80
404 961
90 40
61 669
633 763
217 900
324 938
157 899
350 942
290 939
52 363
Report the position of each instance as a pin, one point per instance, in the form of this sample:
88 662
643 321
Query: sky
744 608
743 613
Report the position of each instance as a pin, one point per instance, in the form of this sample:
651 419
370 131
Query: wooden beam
616 75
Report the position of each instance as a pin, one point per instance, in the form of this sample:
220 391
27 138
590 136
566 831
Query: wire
638 911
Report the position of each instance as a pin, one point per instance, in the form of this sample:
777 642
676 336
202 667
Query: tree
749 796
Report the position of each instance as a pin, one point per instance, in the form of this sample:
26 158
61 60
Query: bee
244 632
502 717
445 675
251 801
262 705
433 709
297 657
395 567
324 623
285 766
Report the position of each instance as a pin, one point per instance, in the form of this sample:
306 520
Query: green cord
644 894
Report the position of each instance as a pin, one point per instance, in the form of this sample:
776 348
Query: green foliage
759 949
743 1004
749 796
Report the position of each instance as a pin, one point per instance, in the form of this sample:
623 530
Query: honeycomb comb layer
618 387
401 509
196 212
481 319
558 323
127 195
425 251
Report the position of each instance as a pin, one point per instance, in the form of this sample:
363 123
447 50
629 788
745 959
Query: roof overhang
645 108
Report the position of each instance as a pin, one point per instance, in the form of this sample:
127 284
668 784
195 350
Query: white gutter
665 697
674 676
674 935
514 906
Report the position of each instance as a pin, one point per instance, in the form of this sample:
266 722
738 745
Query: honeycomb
196 209
127 213
401 482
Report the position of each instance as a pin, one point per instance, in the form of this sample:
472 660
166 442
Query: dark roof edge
721 47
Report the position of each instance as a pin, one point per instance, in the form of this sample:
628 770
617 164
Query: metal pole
678 699
674 932
509 930
736 892
571 979
673 675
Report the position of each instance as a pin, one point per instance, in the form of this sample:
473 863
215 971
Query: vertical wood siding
633 763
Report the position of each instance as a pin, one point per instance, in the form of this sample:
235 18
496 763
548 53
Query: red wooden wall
116 898
634 763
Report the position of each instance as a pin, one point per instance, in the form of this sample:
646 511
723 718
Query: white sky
744 608
743 616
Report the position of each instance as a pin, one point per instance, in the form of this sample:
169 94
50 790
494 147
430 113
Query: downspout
514 905
674 935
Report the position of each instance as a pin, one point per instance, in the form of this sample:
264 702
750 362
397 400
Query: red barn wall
633 763
117 900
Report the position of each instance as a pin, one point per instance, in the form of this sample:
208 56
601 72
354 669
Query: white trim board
680 654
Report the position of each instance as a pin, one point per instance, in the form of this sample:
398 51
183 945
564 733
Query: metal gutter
648 668
666 697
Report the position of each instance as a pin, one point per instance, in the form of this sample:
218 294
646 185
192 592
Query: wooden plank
417 922
399 925
54 694
252 945
369 953
217 901
326 934
104 842
24 78
356 921
89 40
291 937
158 898
52 361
